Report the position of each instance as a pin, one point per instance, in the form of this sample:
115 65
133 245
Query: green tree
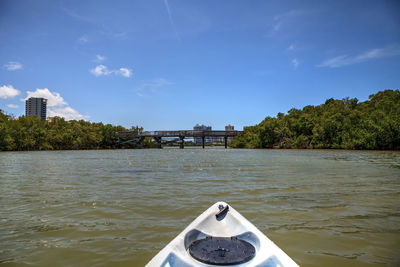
346 123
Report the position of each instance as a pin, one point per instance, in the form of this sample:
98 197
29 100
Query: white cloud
12 106
151 86
99 58
124 72
8 91
295 63
291 47
66 112
345 60
100 70
56 105
53 99
83 39
13 65
103 70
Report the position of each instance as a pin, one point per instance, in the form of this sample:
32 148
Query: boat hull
212 223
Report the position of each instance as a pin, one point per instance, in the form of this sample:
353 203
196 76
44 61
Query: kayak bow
221 236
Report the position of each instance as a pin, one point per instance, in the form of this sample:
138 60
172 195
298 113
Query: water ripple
119 207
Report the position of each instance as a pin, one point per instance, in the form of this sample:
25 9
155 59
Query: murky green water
120 207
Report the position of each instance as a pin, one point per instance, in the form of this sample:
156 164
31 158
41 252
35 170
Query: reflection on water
122 206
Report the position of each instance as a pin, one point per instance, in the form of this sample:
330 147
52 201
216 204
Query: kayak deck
221 236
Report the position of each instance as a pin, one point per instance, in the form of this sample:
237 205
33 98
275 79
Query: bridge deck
181 133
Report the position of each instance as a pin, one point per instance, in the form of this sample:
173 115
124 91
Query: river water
120 207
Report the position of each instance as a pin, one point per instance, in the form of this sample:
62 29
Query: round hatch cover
222 250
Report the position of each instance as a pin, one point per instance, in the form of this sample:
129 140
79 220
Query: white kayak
221 236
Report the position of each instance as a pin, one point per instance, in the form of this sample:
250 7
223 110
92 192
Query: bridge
138 137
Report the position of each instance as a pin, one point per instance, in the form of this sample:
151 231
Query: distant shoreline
337 124
208 147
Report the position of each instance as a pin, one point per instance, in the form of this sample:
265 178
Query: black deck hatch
222 250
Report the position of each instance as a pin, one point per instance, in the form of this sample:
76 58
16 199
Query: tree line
337 124
33 133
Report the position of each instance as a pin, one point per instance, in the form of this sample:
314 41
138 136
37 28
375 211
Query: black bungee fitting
222 211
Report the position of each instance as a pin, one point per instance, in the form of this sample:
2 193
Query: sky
169 64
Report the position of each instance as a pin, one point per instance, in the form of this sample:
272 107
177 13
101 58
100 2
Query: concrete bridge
138 137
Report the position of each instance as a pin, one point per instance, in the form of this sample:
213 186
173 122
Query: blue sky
169 64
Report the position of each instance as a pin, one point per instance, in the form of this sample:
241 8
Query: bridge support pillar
158 140
202 140
182 144
139 141
118 142
226 141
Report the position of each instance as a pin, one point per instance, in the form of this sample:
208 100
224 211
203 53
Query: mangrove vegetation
338 124
33 133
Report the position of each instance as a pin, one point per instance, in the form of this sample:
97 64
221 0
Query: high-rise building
36 107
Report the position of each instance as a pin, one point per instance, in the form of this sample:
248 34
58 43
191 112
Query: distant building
229 127
207 139
36 107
